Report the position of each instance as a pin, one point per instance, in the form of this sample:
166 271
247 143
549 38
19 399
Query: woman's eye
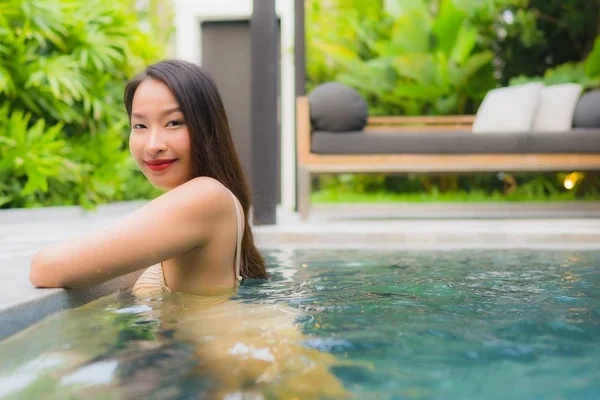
175 123
139 126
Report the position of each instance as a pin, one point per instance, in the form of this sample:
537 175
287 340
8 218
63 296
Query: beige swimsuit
152 279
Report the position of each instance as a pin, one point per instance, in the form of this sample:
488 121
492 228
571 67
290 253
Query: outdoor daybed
336 135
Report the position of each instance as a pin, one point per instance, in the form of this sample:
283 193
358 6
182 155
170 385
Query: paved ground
456 210
440 225
23 232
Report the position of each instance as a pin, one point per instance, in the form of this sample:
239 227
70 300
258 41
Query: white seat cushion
556 108
508 109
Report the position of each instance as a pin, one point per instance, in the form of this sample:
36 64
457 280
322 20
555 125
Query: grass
476 196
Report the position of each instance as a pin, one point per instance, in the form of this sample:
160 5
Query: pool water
365 324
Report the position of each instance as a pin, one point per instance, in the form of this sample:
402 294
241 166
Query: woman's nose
155 142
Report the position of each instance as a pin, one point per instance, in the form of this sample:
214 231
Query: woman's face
159 134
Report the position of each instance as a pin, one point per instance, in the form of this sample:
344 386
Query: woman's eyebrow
170 111
162 113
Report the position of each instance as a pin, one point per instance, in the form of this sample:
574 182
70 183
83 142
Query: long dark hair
213 152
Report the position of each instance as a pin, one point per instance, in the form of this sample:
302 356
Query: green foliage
435 196
592 64
63 127
566 73
32 154
442 57
530 36
329 22
408 60
481 187
433 56
586 72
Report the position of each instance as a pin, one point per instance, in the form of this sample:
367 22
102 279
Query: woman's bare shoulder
207 186
200 197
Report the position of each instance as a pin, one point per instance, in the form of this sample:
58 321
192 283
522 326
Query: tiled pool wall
28 308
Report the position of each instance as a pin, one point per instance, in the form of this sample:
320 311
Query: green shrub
63 127
346 188
570 72
410 59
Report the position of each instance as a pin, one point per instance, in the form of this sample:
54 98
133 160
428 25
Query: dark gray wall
226 56
226 47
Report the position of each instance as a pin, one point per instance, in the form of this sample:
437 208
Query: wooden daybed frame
309 163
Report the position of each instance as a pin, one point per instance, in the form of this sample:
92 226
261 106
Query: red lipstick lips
159 165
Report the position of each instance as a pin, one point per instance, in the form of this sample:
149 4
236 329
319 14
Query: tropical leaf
592 62
461 74
465 43
417 66
442 72
446 27
7 85
398 8
446 104
419 92
411 32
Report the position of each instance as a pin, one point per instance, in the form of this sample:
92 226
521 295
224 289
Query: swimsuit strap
239 215
239 212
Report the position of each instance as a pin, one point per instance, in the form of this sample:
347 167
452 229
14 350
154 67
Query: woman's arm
171 224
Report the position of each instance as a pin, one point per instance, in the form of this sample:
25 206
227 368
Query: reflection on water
334 324
123 346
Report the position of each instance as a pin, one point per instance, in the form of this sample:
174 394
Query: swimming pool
376 324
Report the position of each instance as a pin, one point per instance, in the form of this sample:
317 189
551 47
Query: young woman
195 238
